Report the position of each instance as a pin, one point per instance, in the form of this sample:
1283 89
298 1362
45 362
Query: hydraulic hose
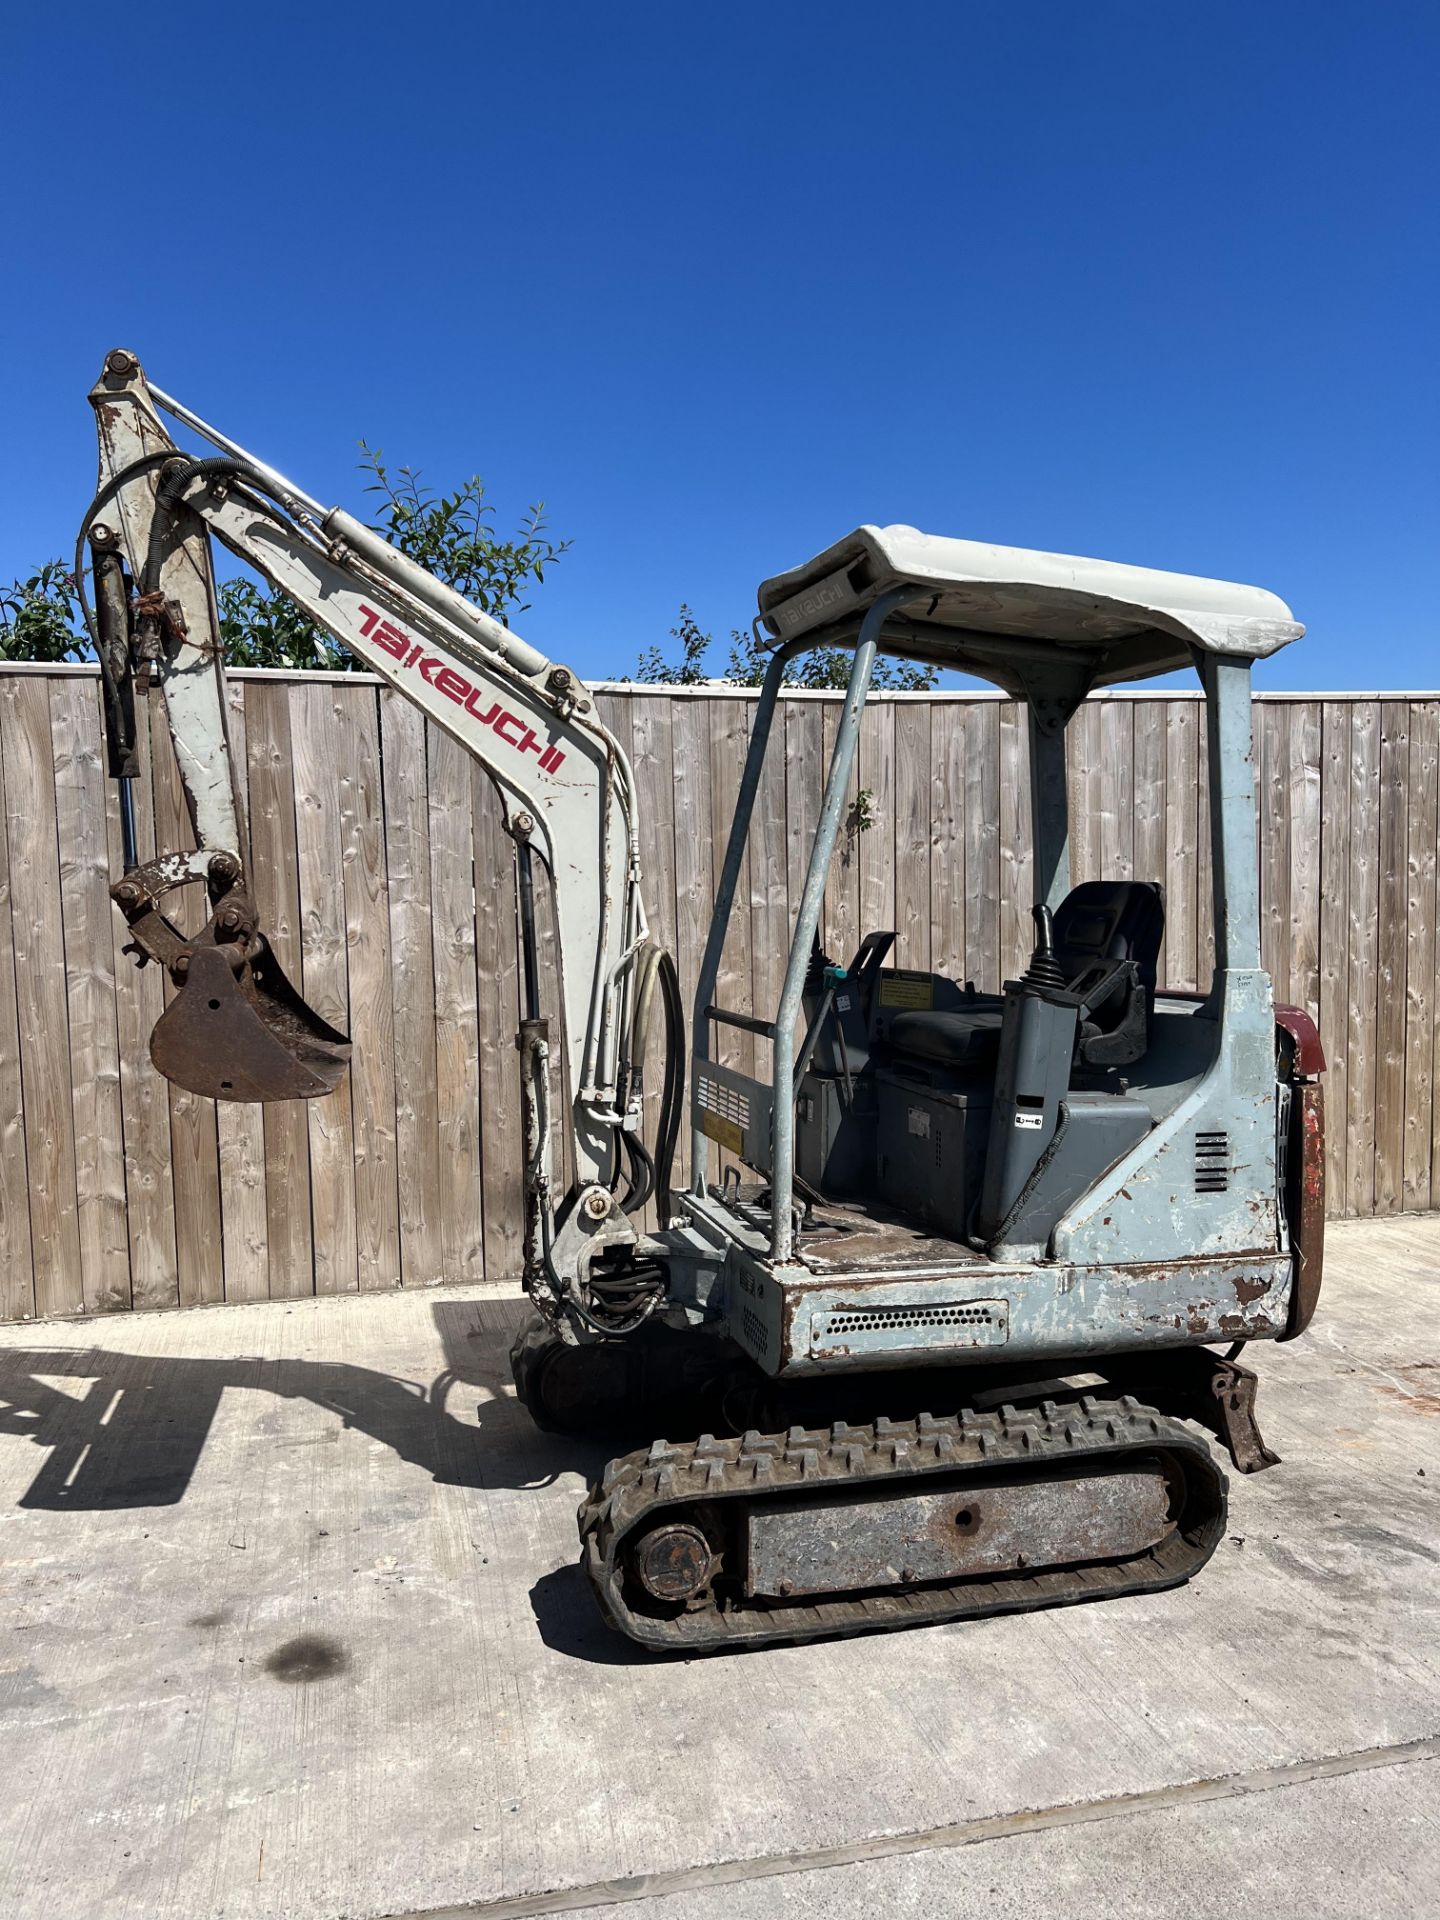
146 464
656 974
672 1100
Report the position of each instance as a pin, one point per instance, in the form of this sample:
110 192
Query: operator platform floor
293 1627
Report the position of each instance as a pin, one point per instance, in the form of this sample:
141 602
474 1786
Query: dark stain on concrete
309 1656
215 1619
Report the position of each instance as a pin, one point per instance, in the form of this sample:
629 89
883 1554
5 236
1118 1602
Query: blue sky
1149 282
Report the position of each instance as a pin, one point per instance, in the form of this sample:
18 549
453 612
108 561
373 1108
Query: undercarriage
800 1514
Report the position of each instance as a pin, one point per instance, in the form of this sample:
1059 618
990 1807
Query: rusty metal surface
245 1036
874 1238
1309 1053
236 1028
673 1562
1112 1512
731 1481
1234 1388
1199 1384
1305 1204
1050 1308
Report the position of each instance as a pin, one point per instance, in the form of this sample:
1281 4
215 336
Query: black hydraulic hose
642 1174
672 1099
172 488
168 496
146 464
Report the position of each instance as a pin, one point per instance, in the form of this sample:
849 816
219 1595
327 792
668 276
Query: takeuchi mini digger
952 1334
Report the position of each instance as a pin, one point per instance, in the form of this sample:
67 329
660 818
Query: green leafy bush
449 534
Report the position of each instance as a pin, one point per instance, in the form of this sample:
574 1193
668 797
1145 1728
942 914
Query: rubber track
636 1488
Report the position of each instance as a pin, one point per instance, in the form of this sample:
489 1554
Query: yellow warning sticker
724 1132
913 990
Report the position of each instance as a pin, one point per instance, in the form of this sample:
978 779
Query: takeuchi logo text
453 684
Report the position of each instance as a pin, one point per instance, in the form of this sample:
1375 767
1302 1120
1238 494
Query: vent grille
946 1324
726 1103
756 1333
939 1138
1212 1163
884 1319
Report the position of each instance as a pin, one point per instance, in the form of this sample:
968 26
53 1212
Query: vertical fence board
144 1096
982 842
875 836
1304 772
1017 857
653 768
371 1012
1364 895
803 735
194 1143
1335 949
771 907
1204 867
81 779
405 773
1180 824
694 885
1149 798
457 1080
947 841
913 781
274 863
498 989
17 1272
1394 887
240 1127
729 738
40 995
1421 909
694 879
1085 776
841 923
1117 790
1273 795
321 802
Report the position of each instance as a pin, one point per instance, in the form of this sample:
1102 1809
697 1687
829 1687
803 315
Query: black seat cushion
965 1038
1098 920
1111 920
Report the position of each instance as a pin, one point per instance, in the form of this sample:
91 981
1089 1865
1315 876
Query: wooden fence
384 880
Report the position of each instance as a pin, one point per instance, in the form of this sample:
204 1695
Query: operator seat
1098 920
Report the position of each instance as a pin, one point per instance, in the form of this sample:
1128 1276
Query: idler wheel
673 1562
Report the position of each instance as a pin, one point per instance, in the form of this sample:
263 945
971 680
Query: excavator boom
237 1029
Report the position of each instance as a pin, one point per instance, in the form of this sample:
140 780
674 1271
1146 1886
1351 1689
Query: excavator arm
237 1029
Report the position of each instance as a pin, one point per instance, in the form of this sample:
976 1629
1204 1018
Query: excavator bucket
244 1033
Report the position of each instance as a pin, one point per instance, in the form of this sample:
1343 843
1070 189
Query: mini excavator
956 1329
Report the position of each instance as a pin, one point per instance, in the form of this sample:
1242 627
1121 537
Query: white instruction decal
1036 1120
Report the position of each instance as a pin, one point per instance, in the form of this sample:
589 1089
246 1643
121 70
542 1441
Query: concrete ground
292 1627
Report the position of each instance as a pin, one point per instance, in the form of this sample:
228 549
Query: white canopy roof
1123 623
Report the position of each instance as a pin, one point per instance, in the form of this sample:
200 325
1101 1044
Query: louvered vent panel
1212 1163
726 1102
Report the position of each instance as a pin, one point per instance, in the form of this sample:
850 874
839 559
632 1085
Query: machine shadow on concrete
127 1430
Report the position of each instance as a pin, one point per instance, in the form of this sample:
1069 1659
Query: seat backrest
1111 920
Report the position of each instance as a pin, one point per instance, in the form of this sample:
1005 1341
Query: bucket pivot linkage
236 1028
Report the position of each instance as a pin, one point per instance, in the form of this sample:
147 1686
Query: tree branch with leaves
449 534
